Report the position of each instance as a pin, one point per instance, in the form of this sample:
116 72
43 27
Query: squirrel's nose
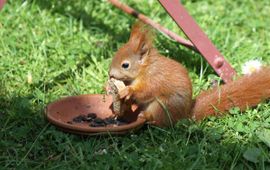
112 74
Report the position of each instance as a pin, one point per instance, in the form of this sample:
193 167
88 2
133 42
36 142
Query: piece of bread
114 87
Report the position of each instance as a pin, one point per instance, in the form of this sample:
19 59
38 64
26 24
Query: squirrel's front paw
125 93
143 115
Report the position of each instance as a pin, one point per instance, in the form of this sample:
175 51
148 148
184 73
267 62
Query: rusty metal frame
2 2
199 40
127 9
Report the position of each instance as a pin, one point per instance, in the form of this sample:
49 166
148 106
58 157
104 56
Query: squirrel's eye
125 65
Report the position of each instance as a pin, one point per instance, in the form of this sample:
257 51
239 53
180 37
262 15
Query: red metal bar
199 39
2 2
148 21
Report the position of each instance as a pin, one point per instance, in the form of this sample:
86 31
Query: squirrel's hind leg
155 114
166 111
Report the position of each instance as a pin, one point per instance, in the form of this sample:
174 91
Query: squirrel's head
132 57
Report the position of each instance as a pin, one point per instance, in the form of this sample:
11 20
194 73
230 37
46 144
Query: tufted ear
141 38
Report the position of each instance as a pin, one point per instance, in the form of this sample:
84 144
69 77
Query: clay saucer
62 111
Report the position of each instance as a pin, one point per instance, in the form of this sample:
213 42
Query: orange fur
162 86
245 92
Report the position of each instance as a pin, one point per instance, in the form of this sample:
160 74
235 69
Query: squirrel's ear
144 49
141 38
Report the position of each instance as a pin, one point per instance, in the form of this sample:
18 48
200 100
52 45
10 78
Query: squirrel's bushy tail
245 92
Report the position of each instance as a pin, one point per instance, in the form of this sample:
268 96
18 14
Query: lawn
55 48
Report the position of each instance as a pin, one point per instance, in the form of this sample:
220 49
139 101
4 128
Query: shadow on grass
190 59
189 145
185 56
24 133
77 12
27 142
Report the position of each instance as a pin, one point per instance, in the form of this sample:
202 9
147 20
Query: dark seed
84 118
110 120
79 119
91 115
88 119
94 124
119 123
69 122
99 121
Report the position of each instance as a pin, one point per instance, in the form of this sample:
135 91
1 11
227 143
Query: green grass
67 47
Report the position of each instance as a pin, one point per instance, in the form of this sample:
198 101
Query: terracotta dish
62 111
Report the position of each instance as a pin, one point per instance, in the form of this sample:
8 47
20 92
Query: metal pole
2 2
148 21
200 40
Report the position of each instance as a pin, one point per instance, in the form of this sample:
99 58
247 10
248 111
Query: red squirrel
164 90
